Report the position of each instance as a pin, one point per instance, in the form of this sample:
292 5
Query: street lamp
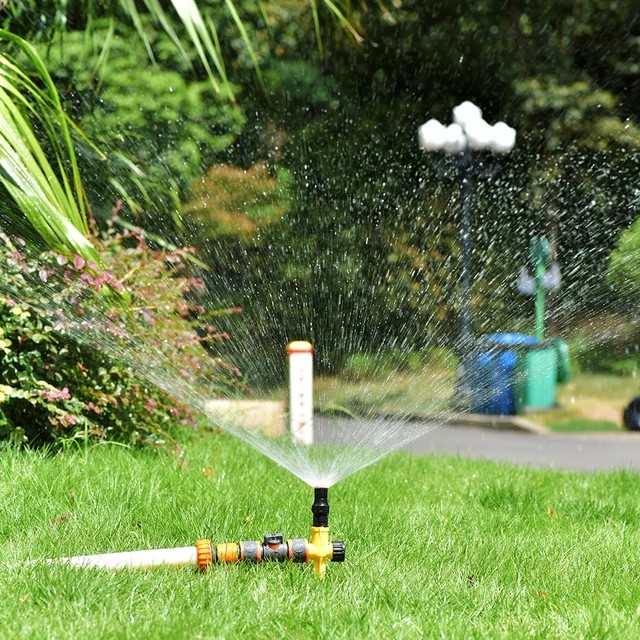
468 132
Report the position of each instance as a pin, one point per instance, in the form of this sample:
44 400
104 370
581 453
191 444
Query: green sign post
539 369
540 253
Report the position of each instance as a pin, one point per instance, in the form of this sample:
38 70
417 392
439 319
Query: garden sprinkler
273 548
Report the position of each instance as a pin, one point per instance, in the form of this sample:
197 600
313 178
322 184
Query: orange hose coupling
205 554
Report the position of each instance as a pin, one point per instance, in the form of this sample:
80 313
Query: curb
265 415
501 423
269 416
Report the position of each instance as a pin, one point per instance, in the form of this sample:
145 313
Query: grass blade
316 24
245 37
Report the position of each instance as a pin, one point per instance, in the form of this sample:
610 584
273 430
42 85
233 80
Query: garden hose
273 548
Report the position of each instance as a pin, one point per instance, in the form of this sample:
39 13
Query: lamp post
468 133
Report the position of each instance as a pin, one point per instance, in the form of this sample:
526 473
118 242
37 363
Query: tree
199 37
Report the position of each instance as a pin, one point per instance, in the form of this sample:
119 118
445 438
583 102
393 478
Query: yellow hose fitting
320 549
227 552
204 554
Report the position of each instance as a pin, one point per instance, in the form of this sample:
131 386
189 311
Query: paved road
584 452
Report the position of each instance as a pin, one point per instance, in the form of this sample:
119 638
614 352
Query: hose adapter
274 548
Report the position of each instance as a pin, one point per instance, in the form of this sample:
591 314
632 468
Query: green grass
436 547
427 390
585 426
589 402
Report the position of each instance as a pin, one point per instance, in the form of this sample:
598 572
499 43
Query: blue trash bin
492 373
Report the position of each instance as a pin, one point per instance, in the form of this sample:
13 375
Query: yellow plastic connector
320 549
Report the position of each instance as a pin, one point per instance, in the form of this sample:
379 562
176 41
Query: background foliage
359 240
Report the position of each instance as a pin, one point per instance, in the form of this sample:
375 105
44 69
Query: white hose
138 559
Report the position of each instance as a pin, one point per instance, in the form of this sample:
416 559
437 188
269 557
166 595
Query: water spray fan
273 548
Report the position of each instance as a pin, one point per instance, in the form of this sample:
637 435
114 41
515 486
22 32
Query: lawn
436 547
589 402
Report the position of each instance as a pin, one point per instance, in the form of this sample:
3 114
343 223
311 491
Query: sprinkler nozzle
320 507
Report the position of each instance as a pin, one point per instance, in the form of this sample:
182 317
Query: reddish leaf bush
118 353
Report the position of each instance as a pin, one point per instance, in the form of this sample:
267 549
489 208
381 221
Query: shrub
606 344
91 354
160 124
364 366
361 366
623 271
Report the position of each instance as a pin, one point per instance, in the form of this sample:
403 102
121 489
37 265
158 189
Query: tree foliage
368 232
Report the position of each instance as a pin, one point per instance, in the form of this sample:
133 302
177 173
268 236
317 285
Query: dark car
631 415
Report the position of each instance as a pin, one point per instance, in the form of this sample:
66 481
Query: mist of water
315 302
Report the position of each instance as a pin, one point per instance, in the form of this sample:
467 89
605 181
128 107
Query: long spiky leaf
132 11
55 205
316 24
156 10
344 21
194 24
247 42
98 67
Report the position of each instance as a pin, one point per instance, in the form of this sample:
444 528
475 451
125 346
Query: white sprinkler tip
432 135
465 113
504 138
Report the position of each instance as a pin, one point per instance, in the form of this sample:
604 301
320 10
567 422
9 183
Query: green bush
362 365
160 125
441 358
85 354
623 271
606 344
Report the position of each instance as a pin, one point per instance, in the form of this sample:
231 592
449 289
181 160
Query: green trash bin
536 377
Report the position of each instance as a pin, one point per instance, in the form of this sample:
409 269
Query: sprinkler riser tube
320 507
